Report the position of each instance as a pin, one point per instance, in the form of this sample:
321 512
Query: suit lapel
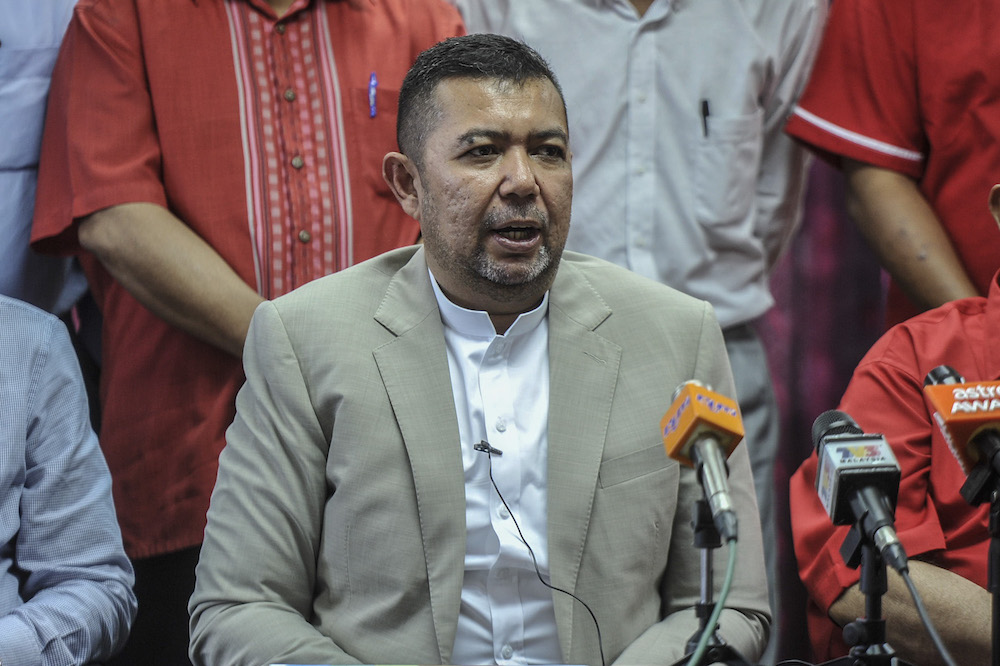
414 369
584 372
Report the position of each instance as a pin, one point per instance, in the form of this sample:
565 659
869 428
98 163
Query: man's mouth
517 233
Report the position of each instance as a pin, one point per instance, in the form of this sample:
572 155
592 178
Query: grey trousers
759 408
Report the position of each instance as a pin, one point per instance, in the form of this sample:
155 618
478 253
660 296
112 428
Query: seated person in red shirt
944 536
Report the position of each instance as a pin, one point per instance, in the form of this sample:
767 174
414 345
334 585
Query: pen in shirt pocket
705 113
372 89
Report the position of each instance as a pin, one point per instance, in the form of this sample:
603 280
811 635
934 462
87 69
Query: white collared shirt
500 385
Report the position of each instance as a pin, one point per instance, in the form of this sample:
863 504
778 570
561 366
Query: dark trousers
163 585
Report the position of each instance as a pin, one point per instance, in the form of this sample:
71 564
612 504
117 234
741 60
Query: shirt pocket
725 168
371 135
25 75
632 466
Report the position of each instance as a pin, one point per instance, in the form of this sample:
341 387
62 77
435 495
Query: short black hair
478 56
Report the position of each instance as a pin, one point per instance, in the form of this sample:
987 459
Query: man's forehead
503 99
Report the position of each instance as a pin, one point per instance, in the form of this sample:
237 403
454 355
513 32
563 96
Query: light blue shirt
30 34
65 582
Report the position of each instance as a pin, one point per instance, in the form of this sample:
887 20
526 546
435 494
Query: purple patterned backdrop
830 307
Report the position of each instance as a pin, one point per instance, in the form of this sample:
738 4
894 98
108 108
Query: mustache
515 212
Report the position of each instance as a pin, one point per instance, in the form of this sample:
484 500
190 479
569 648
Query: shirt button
279 28
305 236
507 652
501 425
290 95
298 162
503 513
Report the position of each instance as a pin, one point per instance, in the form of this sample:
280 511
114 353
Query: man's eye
482 151
551 151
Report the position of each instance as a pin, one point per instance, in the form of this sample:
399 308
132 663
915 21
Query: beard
509 275
500 281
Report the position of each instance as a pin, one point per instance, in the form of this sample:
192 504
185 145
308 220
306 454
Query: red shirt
266 137
909 87
886 396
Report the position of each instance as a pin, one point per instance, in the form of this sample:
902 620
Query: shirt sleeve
75 579
257 575
745 622
862 98
782 176
100 147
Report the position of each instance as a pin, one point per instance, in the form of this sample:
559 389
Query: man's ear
995 202
400 174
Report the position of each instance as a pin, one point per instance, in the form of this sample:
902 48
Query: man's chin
515 273
516 281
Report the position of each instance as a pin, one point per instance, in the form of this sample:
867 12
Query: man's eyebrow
546 135
496 135
477 133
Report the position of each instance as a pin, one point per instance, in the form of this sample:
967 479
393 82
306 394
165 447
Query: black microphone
485 447
858 481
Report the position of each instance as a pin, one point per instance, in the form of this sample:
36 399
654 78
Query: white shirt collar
477 323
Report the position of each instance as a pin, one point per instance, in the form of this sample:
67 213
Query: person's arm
77 582
959 609
745 622
906 235
256 577
172 271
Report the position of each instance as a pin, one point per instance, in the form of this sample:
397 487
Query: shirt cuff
18 643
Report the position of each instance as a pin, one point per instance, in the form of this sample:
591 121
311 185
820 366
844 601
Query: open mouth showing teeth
518 233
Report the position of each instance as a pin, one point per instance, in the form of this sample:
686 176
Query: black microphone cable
485 447
926 619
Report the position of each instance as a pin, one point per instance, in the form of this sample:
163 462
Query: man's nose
518 175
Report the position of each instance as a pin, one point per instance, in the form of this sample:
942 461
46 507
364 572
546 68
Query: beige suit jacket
336 532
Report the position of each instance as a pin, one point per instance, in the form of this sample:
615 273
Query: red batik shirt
266 137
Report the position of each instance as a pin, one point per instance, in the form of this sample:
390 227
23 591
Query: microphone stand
707 539
866 635
980 487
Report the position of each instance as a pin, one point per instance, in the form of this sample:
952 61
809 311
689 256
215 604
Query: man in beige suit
425 438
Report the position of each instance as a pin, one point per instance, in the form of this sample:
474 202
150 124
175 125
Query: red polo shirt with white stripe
913 87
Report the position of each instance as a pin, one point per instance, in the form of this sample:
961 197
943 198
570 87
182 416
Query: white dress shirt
501 390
